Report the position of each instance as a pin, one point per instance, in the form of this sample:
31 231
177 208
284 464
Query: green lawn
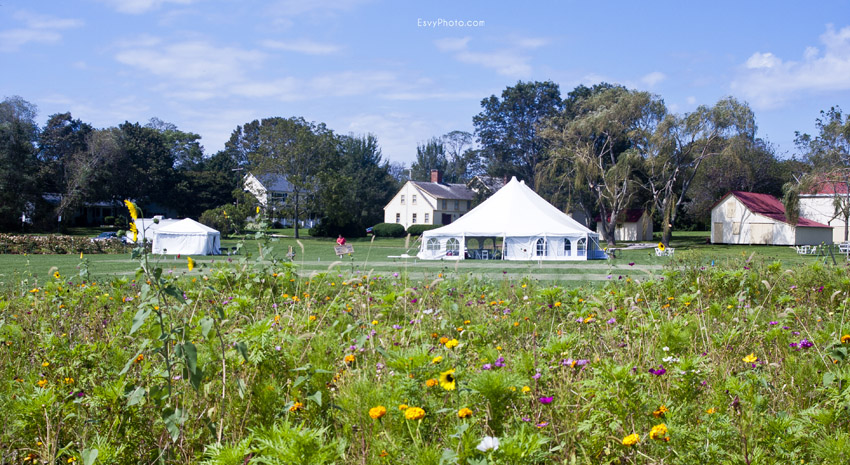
317 255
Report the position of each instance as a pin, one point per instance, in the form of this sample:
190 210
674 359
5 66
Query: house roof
446 191
827 187
769 206
632 215
274 182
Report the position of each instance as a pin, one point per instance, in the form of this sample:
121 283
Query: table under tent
513 224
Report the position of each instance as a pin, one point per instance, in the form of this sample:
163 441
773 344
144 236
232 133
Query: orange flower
464 412
296 407
414 413
377 412
349 358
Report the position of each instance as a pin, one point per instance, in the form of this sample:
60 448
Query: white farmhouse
819 205
432 202
750 218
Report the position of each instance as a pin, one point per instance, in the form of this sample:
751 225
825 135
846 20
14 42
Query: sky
407 71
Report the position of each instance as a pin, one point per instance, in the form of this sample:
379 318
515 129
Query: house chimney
436 176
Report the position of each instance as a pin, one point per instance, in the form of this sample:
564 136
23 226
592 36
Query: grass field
315 255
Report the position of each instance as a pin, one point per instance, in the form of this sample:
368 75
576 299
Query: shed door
718 233
761 233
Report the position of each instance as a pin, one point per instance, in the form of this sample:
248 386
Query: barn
750 218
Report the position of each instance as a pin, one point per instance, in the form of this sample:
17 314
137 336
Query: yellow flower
190 263
374 322
466 322
296 407
72 460
377 412
658 432
42 383
402 407
56 275
132 207
444 340
349 358
710 411
414 413
631 439
139 358
135 231
661 246
750 358
45 364
258 209
81 255
69 380
451 343
526 389
437 359
464 412
845 339
447 380
432 382
660 412
312 318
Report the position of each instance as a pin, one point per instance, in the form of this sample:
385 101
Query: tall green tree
595 143
430 155
675 149
148 170
19 191
508 128
463 161
829 154
291 147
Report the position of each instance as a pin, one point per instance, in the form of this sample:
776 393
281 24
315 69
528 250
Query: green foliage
418 229
388 230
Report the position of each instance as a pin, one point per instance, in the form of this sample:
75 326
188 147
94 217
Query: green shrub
110 220
418 229
388 230
227 219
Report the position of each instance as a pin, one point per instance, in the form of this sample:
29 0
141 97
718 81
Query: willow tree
592 147
673 152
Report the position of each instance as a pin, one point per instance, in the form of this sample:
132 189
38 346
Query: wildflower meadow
252 362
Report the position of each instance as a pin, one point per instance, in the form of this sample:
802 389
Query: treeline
597 151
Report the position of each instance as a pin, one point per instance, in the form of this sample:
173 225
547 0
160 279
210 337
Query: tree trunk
296 215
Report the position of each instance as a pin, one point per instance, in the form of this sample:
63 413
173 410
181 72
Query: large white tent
186 237
530 229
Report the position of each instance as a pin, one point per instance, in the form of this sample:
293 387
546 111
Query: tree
430 155
147 174
18 163
61 139
463 162
355 184
829 155
508 128
185 148
594 147
289 147
674 151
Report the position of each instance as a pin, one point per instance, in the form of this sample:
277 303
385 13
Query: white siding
424 204
820 208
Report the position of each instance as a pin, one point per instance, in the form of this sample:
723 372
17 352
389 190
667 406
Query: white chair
669 251
659 252
485 254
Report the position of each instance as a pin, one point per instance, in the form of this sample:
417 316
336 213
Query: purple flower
546 400
582 362
542 424
396 326
277 348
773 323
658 372
537 376
631 263
487 366
805 344
793 345
500 362
566 362
612 321
526 419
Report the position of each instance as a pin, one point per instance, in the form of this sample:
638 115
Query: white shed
750 218
633 224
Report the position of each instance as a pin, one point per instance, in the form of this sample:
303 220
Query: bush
110 220
418 229
388 230
58 244
227 219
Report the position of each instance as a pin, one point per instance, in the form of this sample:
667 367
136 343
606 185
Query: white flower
670 359
665 349
488 443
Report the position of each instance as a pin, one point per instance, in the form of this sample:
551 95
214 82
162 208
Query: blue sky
364 66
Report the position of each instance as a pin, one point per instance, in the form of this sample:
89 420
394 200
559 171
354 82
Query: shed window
730 208
736 228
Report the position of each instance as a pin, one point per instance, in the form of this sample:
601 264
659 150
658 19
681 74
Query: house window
469 204
432 244
736 228
413 199
541 247
398 217
427 218
567 247
457 204
730 208
413 219
444 205
402 199
581 247
452 247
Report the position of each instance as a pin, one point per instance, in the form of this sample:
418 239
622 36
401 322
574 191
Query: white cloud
135 7
691 100
35 29
305 46
768 81
653 78
512 61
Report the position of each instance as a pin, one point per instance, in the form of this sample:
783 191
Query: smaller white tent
186 237
530 229
147 227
